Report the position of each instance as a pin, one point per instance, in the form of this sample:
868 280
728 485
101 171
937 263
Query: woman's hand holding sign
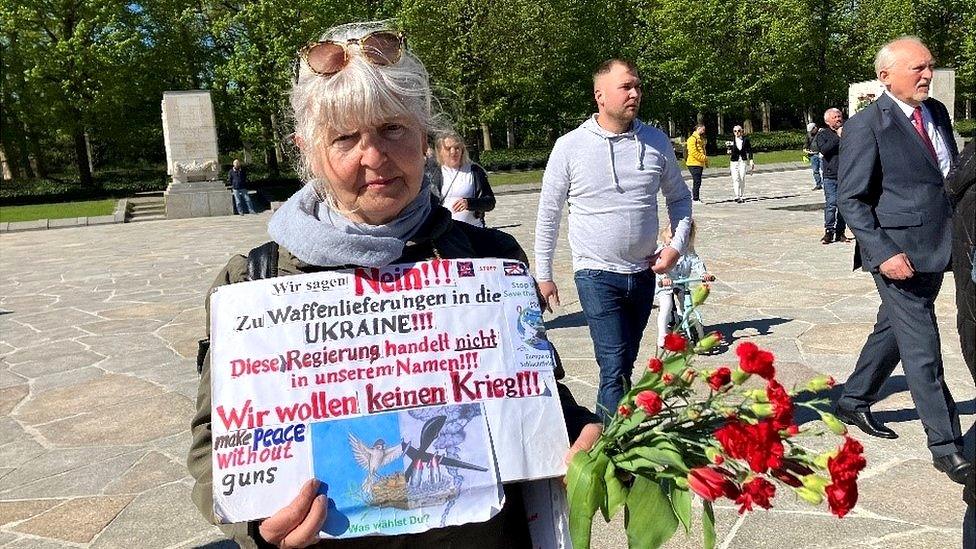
298 524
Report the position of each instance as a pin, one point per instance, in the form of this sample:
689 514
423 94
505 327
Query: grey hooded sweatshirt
611 182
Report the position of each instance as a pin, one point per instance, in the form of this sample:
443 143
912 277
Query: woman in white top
460 185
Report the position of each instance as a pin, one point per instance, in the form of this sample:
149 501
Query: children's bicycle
690 325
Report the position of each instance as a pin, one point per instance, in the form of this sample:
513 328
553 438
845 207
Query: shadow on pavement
572 320
762 325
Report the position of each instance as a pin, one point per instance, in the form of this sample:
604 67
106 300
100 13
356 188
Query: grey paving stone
88 480
174 520
50 463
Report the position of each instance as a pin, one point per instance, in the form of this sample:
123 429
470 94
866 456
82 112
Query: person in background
740 154
610 171
689 265
828 143
810 149
696 160
237 177
459 184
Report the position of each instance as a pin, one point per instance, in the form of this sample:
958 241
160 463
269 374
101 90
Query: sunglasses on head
327 57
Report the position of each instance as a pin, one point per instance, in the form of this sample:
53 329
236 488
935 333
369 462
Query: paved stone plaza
98 331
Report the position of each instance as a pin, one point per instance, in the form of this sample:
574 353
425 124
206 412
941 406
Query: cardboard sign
411 391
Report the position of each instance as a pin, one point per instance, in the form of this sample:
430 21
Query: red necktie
920 128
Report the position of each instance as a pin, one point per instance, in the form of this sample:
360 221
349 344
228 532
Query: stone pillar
190 135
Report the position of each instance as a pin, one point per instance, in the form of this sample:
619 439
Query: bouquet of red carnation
680 432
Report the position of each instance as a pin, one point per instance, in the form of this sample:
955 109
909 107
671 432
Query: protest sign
411 391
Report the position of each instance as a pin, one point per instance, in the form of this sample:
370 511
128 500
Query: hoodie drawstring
640 151
613 169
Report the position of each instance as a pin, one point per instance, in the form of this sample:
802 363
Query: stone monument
190 134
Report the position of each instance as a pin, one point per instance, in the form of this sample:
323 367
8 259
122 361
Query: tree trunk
969 109
81 158
671 128
766 112
719 124
91 156
700 118
270 155
8 170
485 137
510 134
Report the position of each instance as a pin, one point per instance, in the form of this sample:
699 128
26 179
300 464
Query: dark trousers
616 307
962 271
696 177
907 331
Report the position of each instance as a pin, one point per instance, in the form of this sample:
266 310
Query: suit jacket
745 153
891 191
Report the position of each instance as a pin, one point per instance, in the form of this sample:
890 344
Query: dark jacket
810 141
237 178
483 199
441 237
961 186
891 191
828 143
745 153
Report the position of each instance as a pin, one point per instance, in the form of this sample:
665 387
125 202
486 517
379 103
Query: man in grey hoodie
610 170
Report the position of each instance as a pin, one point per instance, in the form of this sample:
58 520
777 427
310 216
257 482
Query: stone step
150 217
147 208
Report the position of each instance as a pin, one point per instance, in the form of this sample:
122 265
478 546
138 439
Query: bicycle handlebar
680 281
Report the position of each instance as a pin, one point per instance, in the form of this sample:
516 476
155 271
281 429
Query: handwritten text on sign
291 352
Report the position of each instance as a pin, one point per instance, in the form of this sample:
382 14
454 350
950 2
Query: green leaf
650 520
708 525
681 504
617 492
662 452
587 493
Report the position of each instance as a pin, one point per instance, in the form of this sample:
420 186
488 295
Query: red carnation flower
759 445
754 360
757 491
667 378
676 343
841 497
624 410
845 466
655 365
782 405
650 402
720 378
711 483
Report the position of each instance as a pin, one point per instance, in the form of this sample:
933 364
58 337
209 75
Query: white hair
830 110
361 94
736 127
886 57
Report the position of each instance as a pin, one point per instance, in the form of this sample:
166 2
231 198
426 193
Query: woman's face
376 170
451 153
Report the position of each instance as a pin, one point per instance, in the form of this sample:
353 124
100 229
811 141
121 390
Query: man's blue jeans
616 307
815 166
833 220
243 202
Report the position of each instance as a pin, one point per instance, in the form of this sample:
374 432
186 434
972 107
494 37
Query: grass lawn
719 161
85 208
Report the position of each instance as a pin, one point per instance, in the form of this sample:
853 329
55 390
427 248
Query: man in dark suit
894 156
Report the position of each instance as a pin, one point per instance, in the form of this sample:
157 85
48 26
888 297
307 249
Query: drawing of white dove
372 458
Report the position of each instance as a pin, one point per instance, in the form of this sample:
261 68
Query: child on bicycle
688 265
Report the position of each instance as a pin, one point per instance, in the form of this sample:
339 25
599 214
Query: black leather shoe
955 466
866 422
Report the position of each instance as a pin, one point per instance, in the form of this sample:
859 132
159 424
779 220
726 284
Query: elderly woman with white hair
362 109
